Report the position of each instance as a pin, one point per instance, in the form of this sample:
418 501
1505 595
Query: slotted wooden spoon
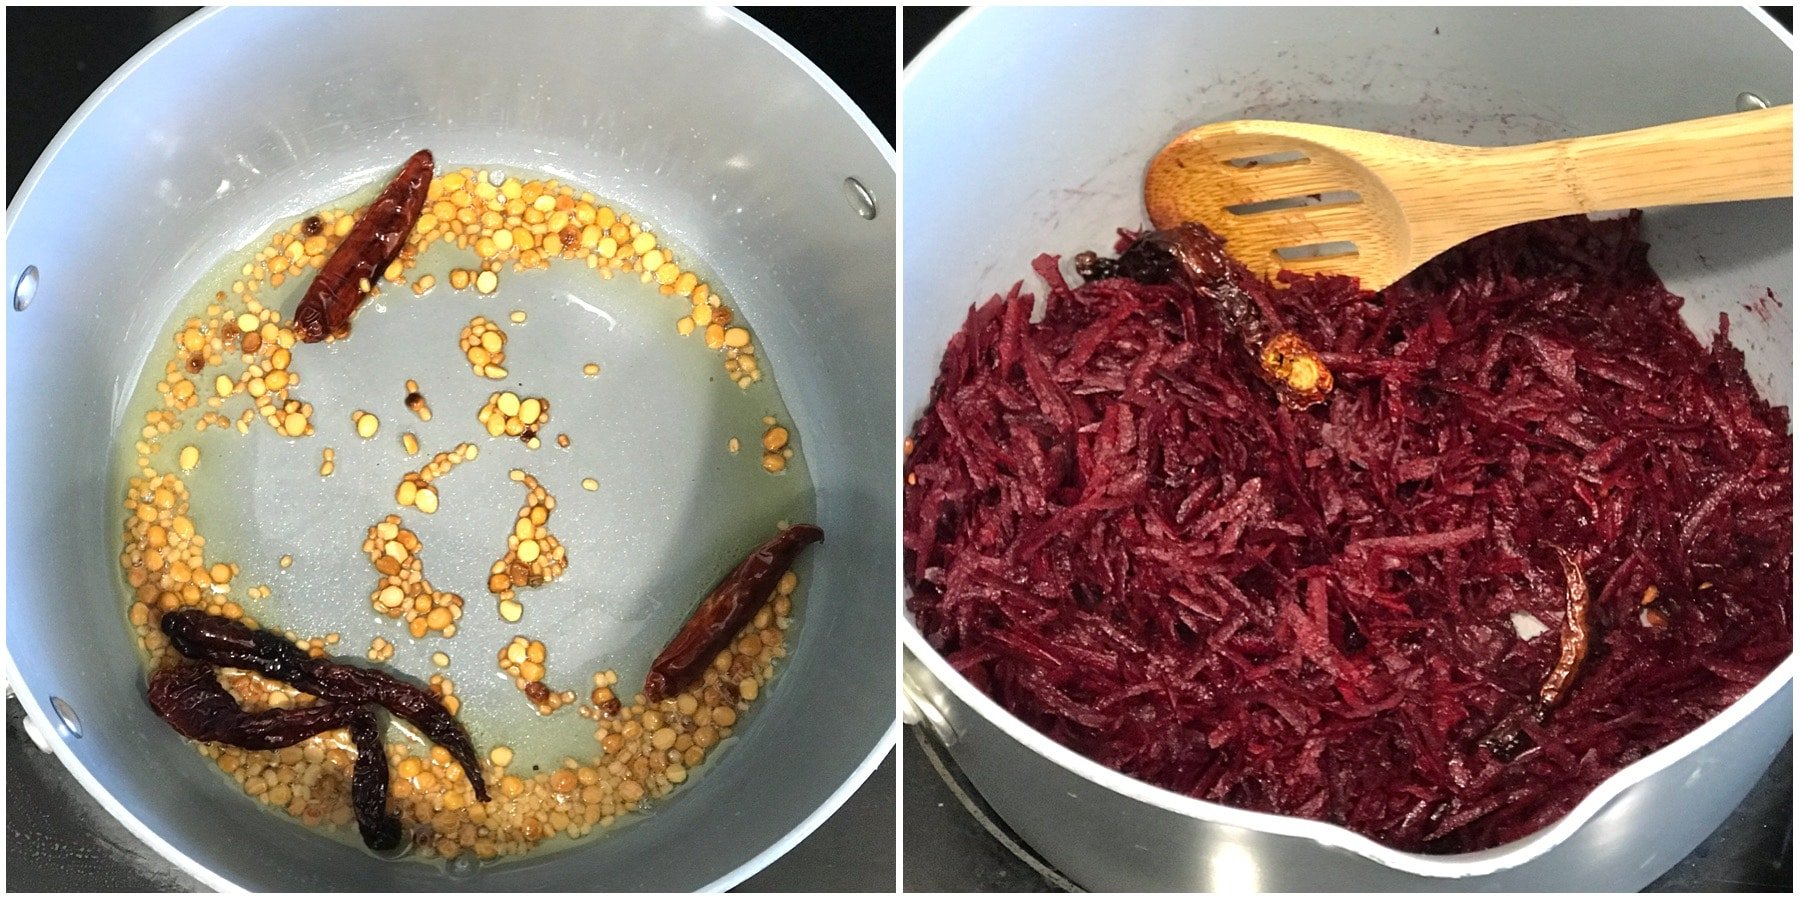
1315 198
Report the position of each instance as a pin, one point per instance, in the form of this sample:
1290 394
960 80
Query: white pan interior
696 121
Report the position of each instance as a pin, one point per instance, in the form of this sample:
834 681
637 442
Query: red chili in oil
372 244
731 605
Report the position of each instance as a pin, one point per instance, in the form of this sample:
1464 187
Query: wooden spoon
1314 198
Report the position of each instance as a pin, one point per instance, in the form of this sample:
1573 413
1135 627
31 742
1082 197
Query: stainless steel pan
1027 130
699 121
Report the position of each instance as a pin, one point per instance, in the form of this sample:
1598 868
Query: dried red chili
366 252
1197 257
1573 646
224 642
725 611
190 698
347 683
1508 739
369 785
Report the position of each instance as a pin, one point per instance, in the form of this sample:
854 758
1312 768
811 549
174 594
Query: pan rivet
496 178
25 289
860 199
1747 101
70 722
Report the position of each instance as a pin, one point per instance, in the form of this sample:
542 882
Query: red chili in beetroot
1572 644
1112 529
372 244
725 611
1192 253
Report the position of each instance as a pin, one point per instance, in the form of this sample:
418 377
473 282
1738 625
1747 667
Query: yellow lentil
402 591
165 567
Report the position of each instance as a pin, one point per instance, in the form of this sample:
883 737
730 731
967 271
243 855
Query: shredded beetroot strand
1114 528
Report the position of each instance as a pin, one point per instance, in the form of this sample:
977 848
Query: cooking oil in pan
661 487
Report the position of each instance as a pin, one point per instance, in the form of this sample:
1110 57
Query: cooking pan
746 159
1028 130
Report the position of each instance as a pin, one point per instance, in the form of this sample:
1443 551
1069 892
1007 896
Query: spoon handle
1741 156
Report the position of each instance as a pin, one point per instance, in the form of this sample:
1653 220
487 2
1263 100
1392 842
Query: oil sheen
674 509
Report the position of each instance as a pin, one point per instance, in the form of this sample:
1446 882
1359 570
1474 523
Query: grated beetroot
1113 528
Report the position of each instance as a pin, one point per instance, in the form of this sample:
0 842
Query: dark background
57 837
954 842
922 24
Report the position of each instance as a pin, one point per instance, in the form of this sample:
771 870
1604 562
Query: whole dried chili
190 698
1507 740
724 611
357 263
369 785
1195 255
347 683
224 642
1573 647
